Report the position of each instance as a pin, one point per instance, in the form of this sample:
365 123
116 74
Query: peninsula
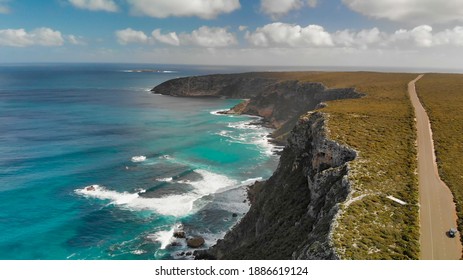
346 186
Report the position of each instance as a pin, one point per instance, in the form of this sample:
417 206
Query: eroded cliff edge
293 211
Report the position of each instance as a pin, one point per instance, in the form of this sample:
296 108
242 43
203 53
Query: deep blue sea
154 162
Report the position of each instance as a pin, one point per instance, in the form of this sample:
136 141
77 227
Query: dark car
452 232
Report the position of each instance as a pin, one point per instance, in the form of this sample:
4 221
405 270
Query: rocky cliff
293 211
278 102
230 85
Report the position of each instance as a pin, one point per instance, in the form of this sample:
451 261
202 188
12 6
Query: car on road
452 232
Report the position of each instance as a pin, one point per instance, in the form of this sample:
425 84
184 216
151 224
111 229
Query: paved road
437 211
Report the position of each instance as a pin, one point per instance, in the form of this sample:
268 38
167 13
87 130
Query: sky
348 33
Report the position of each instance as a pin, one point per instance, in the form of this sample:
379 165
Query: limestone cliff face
292 212
280 103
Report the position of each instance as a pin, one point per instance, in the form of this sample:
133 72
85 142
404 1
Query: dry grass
381 128
442 96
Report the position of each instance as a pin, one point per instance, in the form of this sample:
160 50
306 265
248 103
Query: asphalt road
437 210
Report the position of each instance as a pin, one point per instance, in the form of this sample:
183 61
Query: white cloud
47 37
128 35
21 38
312 3
15 38
206 9
210 37
75 40
286 35
363 39
242 27
95 5
369 36
276 8
410 11
422 36
450 37
169 38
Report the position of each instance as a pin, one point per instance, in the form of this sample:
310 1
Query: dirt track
437 211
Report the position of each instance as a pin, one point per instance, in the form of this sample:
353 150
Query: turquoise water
156 162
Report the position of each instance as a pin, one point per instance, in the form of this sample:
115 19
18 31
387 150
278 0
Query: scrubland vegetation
381 128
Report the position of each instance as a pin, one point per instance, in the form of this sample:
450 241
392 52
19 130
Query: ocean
95 166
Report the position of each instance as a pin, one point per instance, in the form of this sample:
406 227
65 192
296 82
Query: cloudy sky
365 33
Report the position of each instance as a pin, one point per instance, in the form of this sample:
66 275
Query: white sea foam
101 192
233 201
243 125
178 205
169 179
252 134
218 112
262 140
138 158
211 182
174 205
236 139
71 256
251 181
165 237
223 132
138 252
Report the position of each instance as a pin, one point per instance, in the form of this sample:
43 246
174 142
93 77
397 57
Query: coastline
380 122
313 173
276 110
277 101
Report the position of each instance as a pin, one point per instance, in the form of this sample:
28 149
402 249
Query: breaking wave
177 205
138 158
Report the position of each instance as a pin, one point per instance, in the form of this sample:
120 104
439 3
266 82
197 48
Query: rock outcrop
293 211
278 102
195 242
